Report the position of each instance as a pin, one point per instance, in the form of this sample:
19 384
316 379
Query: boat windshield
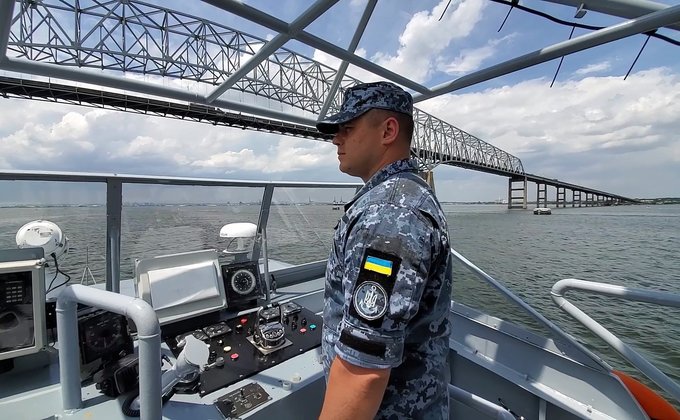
166 219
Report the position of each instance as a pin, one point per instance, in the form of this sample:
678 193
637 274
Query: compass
243 281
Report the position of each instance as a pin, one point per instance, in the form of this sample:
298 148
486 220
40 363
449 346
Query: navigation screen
16 311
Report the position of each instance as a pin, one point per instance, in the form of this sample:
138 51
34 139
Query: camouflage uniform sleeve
388 255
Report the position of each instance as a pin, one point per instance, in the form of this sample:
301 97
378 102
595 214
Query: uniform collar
386 172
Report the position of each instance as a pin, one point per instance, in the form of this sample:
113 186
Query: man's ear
390 131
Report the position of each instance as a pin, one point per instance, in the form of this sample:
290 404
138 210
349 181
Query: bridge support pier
428 176
575 198
541 195
517 195
561 197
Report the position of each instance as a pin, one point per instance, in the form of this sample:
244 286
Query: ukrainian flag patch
378 265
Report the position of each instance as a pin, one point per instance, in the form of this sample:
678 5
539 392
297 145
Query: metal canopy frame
136 37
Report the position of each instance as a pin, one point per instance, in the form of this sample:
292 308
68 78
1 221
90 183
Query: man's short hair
405 122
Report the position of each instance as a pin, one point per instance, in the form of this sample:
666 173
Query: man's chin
344 169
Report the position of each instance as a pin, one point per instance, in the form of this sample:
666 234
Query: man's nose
337 139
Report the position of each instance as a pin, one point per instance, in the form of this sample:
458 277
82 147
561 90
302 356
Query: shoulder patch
373 288
370 300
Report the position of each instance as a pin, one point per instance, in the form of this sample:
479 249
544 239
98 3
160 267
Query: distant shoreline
644 201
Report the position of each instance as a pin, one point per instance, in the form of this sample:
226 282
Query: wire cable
57 272
576 24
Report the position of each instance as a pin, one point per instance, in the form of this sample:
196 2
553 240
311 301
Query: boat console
214 298
205 302
250 343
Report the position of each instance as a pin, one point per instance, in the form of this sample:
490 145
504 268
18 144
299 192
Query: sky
592 128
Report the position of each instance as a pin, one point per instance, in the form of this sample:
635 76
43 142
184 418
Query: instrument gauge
243 281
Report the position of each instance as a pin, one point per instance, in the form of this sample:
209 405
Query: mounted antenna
581 11
512 6
87 273
649 35
445 9
561 59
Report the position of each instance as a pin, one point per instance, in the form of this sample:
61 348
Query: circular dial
243 281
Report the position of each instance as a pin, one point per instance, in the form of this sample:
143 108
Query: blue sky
592 128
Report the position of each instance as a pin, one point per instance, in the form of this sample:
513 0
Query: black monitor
22 302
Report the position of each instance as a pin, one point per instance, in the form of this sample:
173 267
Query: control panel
241 401
245 345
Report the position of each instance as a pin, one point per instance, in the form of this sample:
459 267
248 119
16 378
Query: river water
634 246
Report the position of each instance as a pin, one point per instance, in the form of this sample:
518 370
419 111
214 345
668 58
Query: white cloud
593 68
602 132
426 37
72 126
579 127
289 155
471 59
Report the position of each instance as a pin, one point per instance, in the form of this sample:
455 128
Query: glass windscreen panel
302 221
77 208
161 220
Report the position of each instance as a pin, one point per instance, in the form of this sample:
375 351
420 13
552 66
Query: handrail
480 404
149 343
641 295
507 293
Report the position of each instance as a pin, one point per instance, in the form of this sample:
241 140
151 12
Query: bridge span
98 43
580 196
517 195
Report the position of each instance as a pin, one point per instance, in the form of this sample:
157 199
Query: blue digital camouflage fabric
361 98
387 292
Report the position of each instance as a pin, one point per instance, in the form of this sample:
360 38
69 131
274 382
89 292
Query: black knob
303 322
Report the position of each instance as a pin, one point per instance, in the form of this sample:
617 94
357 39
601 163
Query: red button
303 330
244 321
234 356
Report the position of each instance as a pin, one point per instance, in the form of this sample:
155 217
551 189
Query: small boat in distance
542 210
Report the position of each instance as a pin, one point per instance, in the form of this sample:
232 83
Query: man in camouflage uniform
388 280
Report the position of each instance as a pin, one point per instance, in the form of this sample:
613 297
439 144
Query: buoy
656 407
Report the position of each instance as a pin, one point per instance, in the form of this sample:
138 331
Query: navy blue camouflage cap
361 98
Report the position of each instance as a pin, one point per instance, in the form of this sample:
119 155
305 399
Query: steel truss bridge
95 41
